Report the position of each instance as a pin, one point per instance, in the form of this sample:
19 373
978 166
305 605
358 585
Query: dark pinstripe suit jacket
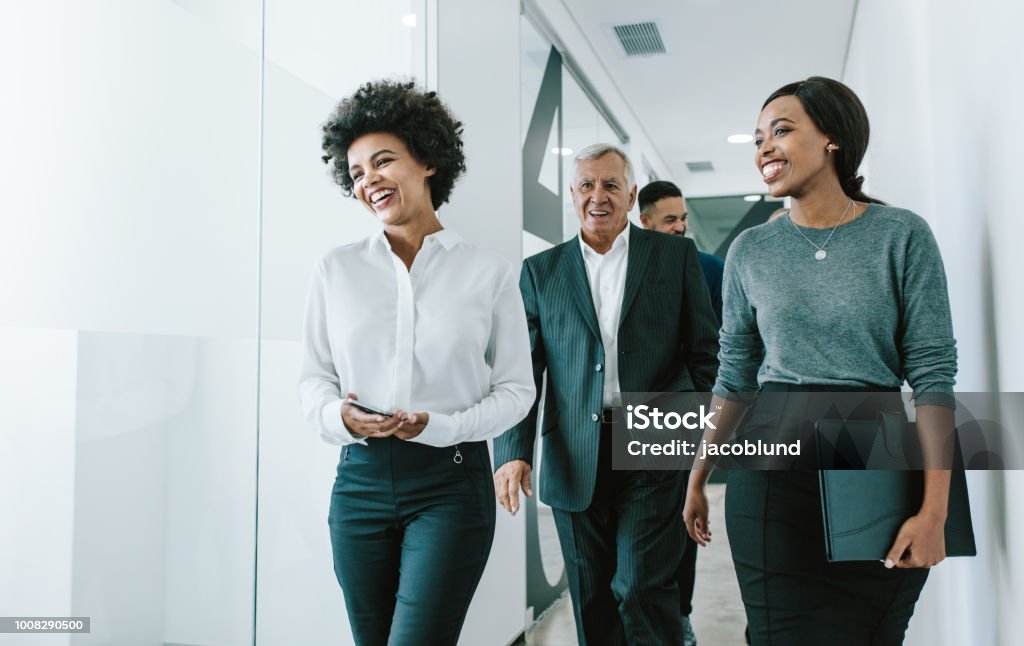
668 342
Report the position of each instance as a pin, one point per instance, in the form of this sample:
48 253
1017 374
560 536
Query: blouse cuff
441 430
334 430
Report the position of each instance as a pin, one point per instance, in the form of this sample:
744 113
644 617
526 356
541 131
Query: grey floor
718 618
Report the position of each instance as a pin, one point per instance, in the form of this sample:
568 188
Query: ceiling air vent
640 39
700 167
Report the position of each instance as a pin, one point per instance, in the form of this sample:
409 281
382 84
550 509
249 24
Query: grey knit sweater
874 312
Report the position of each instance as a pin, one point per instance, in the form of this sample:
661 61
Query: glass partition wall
129 330
163 204
558 119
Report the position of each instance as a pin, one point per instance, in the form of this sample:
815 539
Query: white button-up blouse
447 336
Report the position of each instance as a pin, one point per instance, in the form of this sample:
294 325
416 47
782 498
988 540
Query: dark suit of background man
617 309
663 209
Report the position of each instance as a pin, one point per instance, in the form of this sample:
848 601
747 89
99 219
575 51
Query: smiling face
791 150
667 215
388 180
602 198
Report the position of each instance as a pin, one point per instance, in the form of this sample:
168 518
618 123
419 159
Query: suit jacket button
595 417
598 367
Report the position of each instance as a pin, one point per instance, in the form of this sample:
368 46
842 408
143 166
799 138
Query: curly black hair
417 117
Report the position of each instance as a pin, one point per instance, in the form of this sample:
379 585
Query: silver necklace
820 254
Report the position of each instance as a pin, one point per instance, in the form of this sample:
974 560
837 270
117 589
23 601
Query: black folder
863 509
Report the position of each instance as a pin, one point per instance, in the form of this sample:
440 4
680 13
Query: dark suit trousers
686 573
621 555
411 531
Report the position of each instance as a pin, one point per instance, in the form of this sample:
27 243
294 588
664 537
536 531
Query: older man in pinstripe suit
617 309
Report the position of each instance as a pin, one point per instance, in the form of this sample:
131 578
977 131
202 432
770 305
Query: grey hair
595 151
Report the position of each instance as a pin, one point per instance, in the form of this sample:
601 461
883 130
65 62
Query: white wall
477 47
942 85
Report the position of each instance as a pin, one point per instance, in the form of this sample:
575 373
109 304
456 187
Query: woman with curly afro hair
416 352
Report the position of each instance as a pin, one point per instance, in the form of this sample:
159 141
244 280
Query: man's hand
921 542
508 479
362 424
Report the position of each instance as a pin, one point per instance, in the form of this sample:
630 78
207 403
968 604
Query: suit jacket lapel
636 267
579 285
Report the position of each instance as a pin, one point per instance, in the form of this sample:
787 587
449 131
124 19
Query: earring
831 147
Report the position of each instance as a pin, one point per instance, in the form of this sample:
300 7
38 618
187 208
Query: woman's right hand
362 424
695 512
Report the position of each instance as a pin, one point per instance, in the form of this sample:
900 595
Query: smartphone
366 408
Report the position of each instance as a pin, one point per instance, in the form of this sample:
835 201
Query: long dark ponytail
837 112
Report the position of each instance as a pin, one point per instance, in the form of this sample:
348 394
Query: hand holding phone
363 420
367 408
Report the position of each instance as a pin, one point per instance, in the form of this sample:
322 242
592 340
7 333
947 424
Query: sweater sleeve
926 344
741 349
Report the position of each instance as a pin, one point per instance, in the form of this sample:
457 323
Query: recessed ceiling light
564 152
409 20
752 198
739 139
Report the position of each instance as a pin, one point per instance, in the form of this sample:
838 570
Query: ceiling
724 58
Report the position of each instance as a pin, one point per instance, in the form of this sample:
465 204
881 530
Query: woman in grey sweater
843 293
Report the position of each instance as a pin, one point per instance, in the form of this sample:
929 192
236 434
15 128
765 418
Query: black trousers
411 531
621 555
791 593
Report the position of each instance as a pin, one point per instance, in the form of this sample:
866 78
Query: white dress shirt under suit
447 336
607 275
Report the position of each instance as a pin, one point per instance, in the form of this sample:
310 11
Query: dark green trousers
411 530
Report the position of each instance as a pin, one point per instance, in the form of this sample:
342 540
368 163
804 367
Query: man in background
662 208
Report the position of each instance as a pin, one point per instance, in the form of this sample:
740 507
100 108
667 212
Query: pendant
820 254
